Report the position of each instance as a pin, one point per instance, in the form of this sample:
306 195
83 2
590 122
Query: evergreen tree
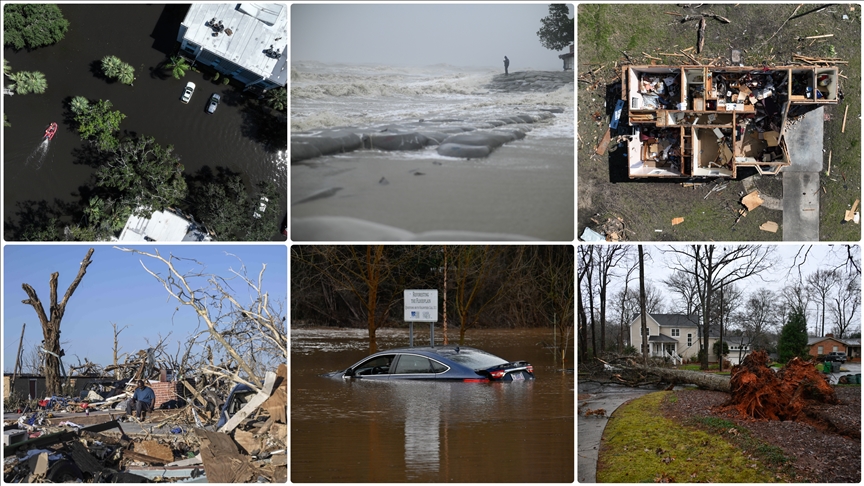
557 30
793 337
33 25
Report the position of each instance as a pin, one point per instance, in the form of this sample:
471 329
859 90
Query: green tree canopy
793 337
717 349
557 30
277 98
28 82
111 66
33 25
145 176
178 66
97 122
224 206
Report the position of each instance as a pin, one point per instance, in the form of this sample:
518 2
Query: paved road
590 429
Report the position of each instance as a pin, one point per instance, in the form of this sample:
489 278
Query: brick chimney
829 335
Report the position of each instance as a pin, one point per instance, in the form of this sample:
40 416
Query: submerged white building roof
253 36
162 226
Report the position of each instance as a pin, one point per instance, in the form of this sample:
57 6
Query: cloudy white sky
788 260
419 35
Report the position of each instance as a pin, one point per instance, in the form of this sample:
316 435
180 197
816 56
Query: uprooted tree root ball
757 391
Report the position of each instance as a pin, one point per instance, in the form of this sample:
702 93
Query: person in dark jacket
506 64
143 400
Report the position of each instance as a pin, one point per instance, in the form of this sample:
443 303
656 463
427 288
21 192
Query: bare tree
584 267
474 266
238 331
714 267
51 323
608 258
846 303
642 308
117 348
757 319
624 317
819 284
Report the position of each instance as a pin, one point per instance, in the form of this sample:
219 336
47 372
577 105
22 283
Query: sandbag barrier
459 141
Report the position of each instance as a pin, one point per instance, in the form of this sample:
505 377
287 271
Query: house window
835 349
820 350
689 340
676 332
646 331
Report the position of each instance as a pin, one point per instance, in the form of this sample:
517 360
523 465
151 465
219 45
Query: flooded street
234 137
362 431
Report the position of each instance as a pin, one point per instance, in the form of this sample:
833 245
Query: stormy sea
430 153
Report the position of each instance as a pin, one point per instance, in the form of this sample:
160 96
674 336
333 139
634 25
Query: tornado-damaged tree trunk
51 323
757 391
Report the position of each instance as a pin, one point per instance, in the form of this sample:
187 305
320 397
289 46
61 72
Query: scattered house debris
58 442
769 226
612 230
850 213
752 201
677 221
703 121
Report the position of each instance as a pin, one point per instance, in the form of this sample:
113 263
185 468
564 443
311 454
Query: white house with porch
671 336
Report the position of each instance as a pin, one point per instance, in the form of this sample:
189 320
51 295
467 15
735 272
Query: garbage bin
835 366
858 378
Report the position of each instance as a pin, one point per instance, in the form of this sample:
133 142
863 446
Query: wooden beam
252 405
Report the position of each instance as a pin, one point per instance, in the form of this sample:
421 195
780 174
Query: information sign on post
421 306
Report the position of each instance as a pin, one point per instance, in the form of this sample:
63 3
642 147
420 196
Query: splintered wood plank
604 142
223 462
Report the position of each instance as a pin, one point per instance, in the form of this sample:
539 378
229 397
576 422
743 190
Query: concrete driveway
590 429
801 179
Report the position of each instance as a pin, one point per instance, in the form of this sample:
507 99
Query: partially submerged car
457 363
214 102
187 92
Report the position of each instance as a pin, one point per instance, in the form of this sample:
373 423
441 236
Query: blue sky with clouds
117 289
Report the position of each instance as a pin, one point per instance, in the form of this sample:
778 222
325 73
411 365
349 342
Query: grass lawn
606 31
640 445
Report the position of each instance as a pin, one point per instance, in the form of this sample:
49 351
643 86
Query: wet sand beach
523 188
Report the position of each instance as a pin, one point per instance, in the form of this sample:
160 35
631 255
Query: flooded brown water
353 431
142 35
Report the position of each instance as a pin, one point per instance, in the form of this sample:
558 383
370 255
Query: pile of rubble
243 440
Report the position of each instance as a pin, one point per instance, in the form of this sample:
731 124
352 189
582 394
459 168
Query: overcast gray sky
417 35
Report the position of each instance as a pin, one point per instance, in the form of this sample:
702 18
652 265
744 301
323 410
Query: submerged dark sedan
458 363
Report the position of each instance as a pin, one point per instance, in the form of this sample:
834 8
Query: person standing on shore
506 65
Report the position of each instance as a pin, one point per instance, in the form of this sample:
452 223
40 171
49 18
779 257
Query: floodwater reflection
426 431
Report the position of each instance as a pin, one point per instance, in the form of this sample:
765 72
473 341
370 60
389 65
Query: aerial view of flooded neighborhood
145 122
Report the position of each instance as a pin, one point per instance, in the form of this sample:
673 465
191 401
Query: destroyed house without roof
706 122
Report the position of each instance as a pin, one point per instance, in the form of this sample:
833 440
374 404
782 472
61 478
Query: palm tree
111 66
7 69
29 82
79 105
178 66
126 74
277 98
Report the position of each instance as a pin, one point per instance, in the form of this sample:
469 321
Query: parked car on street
457 363
187 92
837 356
214 102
